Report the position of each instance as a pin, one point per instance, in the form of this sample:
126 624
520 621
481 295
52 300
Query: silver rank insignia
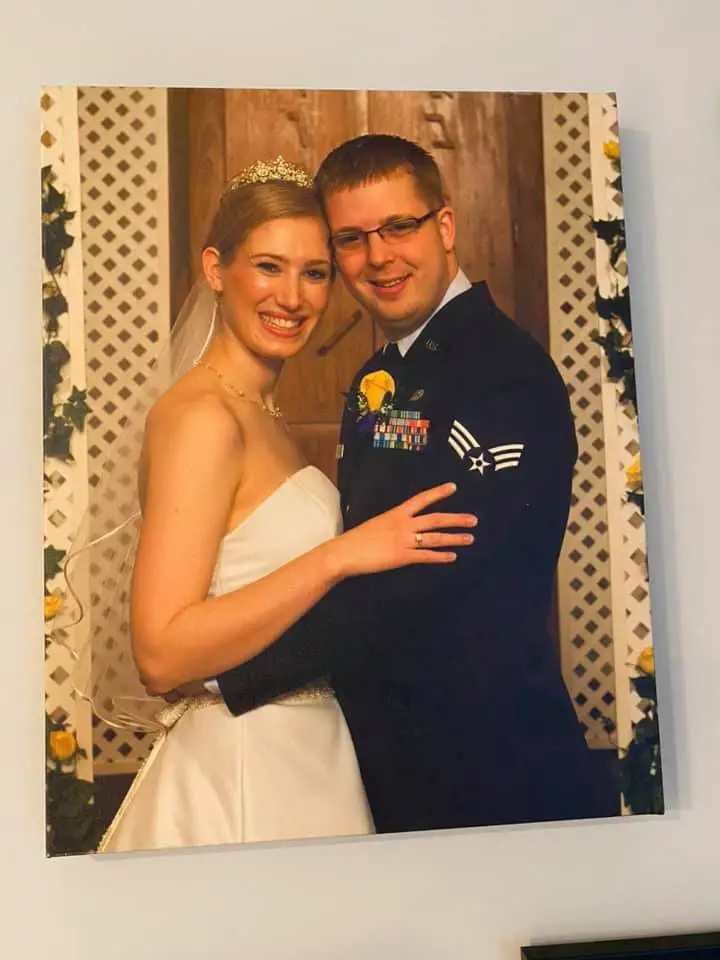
479 460
339 451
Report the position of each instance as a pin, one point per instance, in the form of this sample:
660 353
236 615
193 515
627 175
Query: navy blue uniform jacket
446 674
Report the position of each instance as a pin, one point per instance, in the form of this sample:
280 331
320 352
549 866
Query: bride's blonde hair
246 206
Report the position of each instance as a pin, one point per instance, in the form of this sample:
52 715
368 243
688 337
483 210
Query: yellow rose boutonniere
646 661
374 387
62 744
634 473
373 399
53 605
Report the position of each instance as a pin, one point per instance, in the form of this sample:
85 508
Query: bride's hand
398 537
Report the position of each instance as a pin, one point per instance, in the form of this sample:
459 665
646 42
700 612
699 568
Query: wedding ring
418 540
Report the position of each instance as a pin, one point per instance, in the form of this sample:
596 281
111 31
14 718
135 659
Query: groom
447 676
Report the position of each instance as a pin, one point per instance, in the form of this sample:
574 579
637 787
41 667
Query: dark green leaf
75 408
55 242
57 439
53 200
621 307
629 393
55 217
73 824
617 248
645 687
53 559
55 357
608 725
54 306
609 230
618 307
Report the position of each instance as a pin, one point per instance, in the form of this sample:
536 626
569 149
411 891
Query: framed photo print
692 946
364 296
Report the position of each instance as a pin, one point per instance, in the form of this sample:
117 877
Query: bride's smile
276 287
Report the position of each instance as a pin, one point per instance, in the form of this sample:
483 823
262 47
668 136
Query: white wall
471 894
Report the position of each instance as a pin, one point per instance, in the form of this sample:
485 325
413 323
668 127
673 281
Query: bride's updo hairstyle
264 192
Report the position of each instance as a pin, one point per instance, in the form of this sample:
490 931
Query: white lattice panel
66 483
123 159
623 445
584 588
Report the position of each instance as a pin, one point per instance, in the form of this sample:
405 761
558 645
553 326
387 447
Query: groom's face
399 278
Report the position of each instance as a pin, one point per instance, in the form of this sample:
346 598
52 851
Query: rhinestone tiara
265 171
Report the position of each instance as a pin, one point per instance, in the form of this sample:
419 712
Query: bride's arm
194 465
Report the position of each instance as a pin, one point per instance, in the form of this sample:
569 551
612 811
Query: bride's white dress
284 771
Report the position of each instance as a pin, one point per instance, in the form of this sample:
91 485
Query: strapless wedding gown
284 771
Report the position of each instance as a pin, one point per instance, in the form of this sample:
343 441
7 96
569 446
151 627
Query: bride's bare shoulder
191 414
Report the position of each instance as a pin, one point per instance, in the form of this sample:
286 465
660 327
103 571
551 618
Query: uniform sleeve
511 453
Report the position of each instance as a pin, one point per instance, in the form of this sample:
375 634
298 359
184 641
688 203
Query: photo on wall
684 946
343 496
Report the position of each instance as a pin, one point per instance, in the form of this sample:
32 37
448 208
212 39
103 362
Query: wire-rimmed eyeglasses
394 231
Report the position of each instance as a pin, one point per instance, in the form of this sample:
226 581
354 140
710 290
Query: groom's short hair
377 156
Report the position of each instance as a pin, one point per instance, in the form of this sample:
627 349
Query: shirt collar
459 284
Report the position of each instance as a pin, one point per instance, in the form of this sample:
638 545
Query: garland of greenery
72 826
640 763
614 311
640 770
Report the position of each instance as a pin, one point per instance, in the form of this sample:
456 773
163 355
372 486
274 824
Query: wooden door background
488 147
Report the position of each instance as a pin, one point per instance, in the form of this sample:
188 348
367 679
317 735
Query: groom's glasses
394 231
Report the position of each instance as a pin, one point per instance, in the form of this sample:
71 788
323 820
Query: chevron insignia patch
505 456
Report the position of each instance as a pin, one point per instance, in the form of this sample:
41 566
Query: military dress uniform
446 673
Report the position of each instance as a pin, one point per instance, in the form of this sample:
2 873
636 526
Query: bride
239 538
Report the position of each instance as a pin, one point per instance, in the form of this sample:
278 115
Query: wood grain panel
206 151
178 199
527 211
304 126
466 134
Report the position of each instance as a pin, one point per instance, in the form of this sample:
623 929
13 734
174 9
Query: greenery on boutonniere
71 821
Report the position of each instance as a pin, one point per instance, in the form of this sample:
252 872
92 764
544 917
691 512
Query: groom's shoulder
489 346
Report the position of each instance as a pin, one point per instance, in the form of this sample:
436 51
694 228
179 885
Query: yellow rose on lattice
634 473
54 603
646 661
612 150
62 744
374 386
